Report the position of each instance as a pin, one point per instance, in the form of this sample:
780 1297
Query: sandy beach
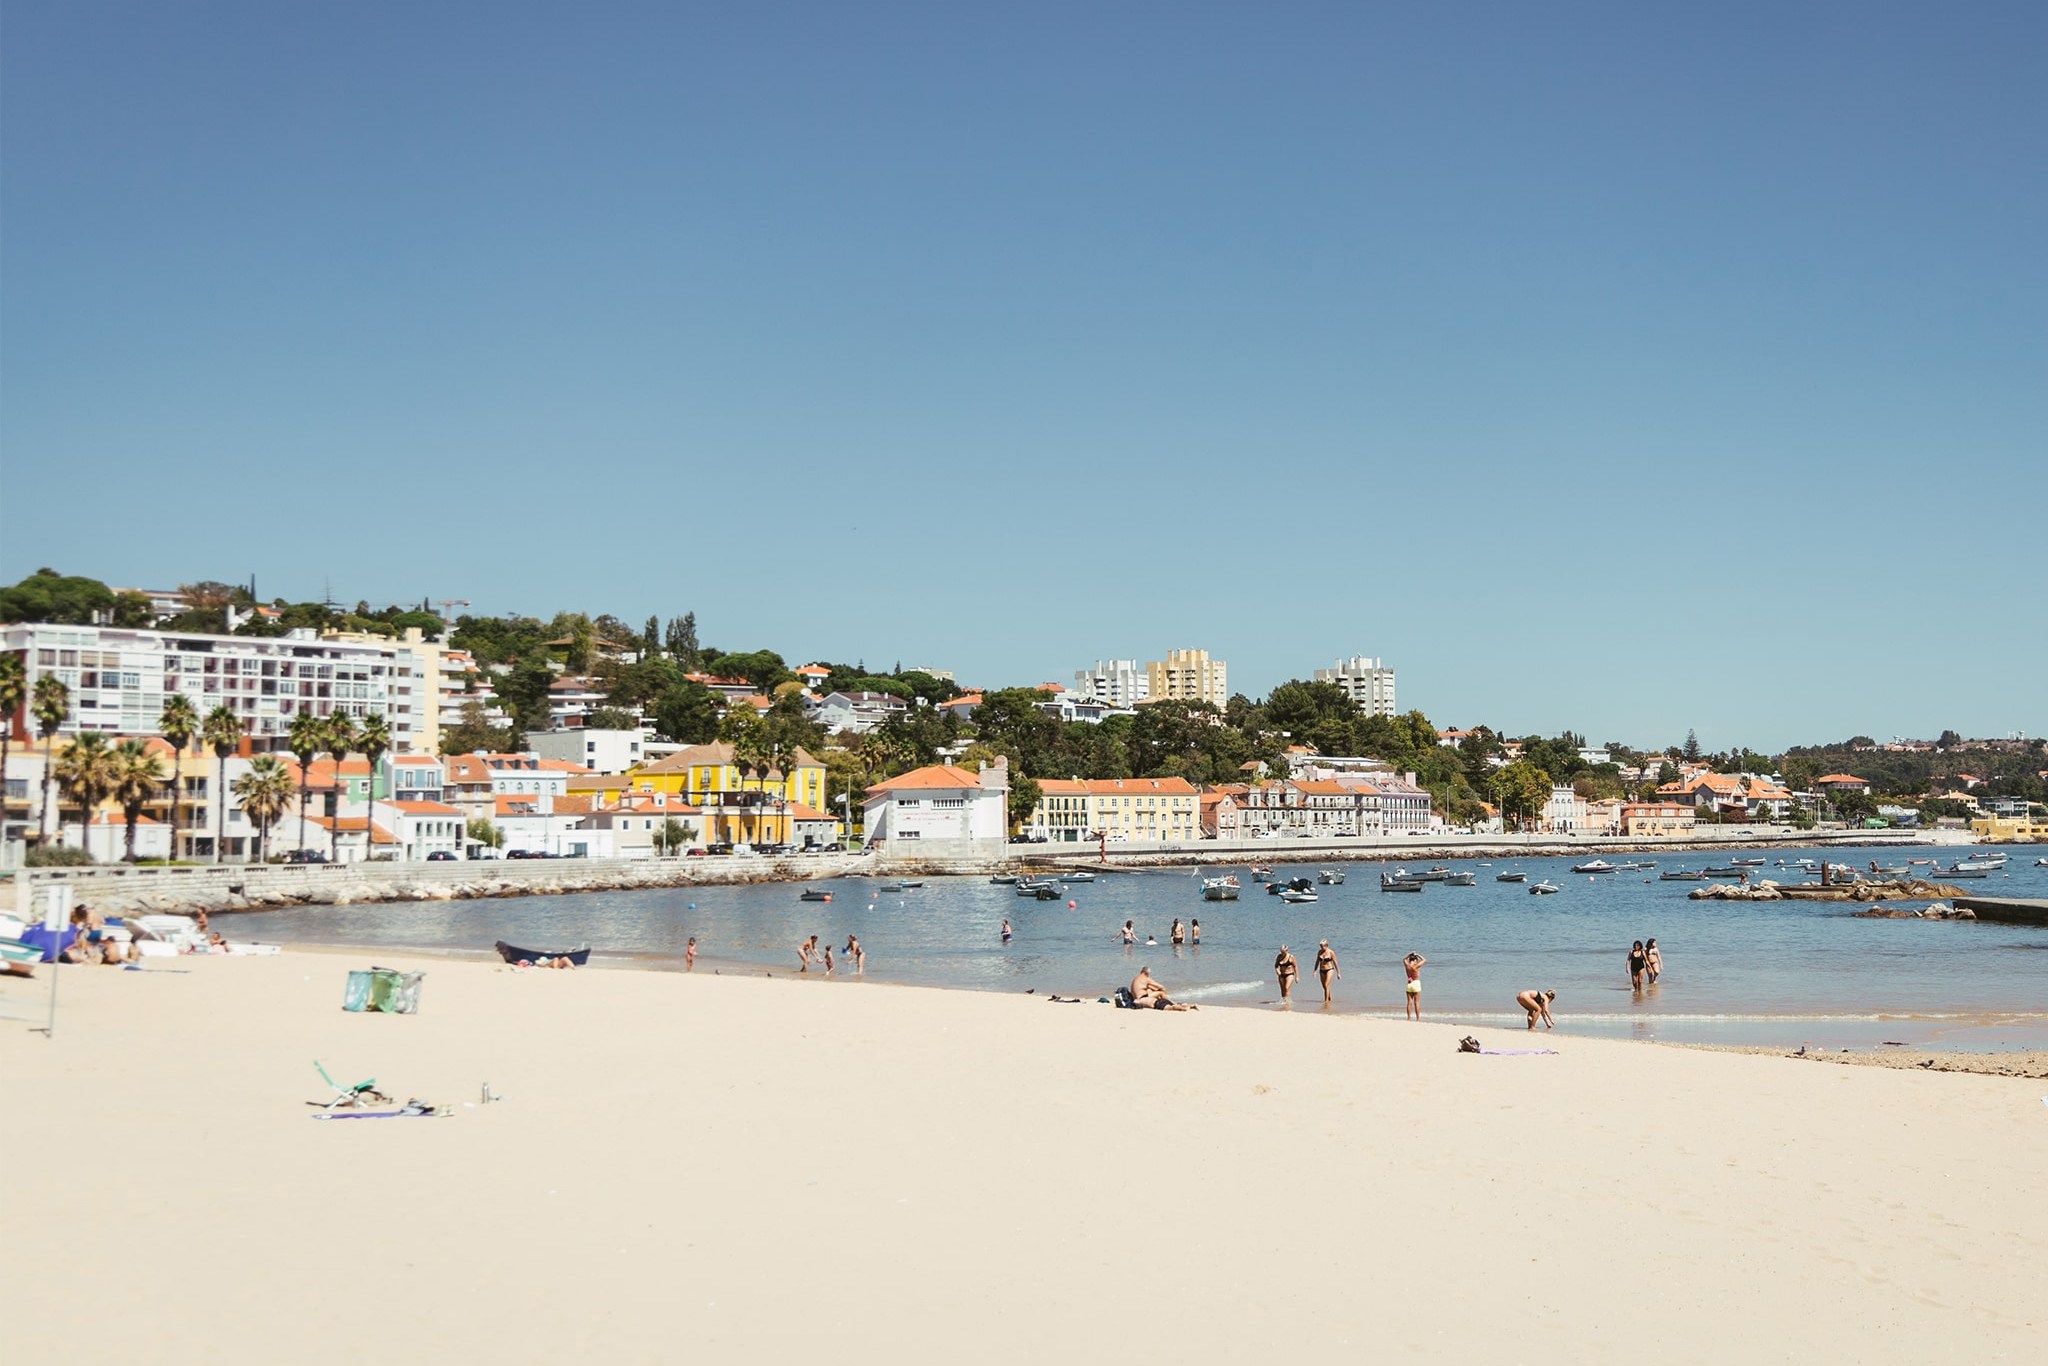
719 1167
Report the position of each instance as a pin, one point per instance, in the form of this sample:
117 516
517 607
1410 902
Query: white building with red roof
941 811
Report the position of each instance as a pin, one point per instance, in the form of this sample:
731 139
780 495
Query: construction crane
445 603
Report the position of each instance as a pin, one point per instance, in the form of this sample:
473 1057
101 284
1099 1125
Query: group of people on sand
1189 935
810 952
93 942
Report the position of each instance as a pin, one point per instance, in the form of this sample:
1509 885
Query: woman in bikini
1653 961
1537 1004
1638 963
1326 968
1412 965
1286 969
690 955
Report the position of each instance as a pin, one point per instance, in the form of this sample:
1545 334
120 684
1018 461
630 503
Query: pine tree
650 638
1692 747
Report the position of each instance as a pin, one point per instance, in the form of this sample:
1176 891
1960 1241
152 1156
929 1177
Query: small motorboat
1542 888
1003 880
1220 888
1595 866
1747 862
1961 870
1461 879
2041 863
1510 877
814 894
1034 887
1633 867
1896 870
1681 875
1077 877
512 954
1295 896
1260 872
1331 877
1986 863
901 886
1730 871
1391 883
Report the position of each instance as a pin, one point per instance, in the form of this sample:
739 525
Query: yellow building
1187 676
747 806
1119 810
2010 829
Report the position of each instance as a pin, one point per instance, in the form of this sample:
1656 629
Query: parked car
440 856
519 853
693 853
305 856
722 847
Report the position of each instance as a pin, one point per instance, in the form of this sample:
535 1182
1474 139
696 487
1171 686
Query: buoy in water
1070 905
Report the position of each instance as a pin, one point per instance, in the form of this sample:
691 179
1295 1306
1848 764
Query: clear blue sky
1600 366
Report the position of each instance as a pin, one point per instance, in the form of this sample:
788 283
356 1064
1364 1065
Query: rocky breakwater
269 887
1858 890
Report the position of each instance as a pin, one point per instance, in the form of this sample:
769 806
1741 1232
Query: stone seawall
117 891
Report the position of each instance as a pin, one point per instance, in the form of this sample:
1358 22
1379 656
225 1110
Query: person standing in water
1178 934
690 955
1638 963
1412 965
1286 969
1653 962
1008 935
1537 1004
826 951
858 954
1195 934
804 952
1326 968
1130 933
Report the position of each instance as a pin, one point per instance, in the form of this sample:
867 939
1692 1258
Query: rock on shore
1858 890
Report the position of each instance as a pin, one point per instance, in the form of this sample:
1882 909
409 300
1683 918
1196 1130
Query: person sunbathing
1148 994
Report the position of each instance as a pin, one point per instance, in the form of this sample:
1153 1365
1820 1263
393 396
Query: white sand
724 1168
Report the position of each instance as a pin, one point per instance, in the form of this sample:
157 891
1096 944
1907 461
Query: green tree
481 831
50 705
676 835
222 733
687 714
265 793
524 692
138 771
1692 747
374 740
473 733
305 738
650 639
85 774
683 647
47 595
611 718
1025 794
340 730
178 723
13 693
1520 790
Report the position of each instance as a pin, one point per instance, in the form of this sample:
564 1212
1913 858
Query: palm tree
374 739
85 770
50 704
306 737
13 692
138 772
178 723
750 756
221 732
265 792
340 739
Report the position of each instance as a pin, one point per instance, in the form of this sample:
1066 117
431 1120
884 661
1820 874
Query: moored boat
814 894
1077 877
1391 883
1510 877
1220 889
1003 880
1331 877
513 954
1681 875
1595 866
1542 888
1295 896
1960 871
1461 879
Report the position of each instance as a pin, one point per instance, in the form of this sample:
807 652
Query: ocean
1786 972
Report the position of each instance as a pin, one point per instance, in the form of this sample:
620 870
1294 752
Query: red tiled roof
929 777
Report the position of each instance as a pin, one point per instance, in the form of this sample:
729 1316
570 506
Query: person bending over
1537 1004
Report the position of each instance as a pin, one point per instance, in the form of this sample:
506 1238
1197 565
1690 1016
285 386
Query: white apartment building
1365 681
119 678
1114 683
600 751
1187 676
940 811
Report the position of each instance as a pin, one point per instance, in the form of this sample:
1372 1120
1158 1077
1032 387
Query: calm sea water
1734 972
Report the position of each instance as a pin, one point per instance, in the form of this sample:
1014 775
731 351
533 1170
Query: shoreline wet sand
762 1167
